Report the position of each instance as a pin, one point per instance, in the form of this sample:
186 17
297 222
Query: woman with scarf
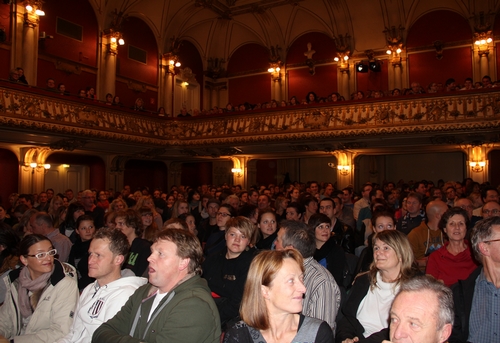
41 297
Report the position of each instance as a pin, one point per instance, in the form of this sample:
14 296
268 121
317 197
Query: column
345 168
108 52
29 47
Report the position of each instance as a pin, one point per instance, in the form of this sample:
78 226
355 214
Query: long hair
401 246
262 272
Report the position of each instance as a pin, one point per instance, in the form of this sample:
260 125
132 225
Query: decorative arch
96 165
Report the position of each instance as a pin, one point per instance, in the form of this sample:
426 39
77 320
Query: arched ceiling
219 27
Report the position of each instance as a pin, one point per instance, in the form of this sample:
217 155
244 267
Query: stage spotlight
362 68
375 66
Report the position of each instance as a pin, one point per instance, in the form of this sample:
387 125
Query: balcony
35 117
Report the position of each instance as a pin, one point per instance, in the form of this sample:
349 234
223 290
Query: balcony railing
35 110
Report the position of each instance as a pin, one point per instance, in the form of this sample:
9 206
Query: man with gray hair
41 223
477 300
422 312
88 201
322 298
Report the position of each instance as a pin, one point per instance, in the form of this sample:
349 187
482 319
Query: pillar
29 43
345 168
106 78
239 170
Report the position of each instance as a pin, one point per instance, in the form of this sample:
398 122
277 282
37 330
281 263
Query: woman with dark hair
194 202
130 224
5 218
295 211
272 303
453 261
268 229
367 309
68 226
280 205
328 253
249 211
293 101
226 271
311 98
40 296
216 241
9 244
79 254
149 227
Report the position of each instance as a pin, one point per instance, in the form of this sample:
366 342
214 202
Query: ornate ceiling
219 27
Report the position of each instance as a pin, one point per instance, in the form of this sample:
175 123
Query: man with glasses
41 223
477 300
466 204
491 209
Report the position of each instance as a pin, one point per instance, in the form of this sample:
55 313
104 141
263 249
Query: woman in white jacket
41 297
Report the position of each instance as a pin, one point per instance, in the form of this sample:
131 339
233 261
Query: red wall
190 57
425 68
140 173
9 173
252 89
494 164
373 81
4 66
4 53
323 82
73 82
196 174
128 96
78 12
248 57
321 43
267 172
97 169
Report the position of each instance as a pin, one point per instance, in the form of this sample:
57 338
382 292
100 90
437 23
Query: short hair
83 218
28 241
230 208
317 219
132 219
416 195
299 237
43 218
266 211
213 201
481 232
384 212
115 202
299 208
401 246
328 199
453 212
118 242
27 197
263 270
307 200
188 246
444 295
244 225
181 222
484 191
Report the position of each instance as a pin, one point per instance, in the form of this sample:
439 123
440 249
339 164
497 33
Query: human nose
397 331
301 287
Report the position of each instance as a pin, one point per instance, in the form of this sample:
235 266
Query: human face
212 209
254 198
147 219
78 213
122 226
149 203
346 197
314 188
466 205
413 206
384 223
267 224
263 202
236 242
244 198
328 190
491 195
284 294
166 268
102 262
312 207
295 194
170 200
86 230
279 240
182 208
69 195
291 214
451 194
42 198
385 257
413 319
191 223
366 192
322 232
456 228
88 200
491 209
223 216
38 267
234 202
326 207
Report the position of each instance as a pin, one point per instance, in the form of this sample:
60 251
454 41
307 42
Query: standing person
130 224
272 303
101 300
175 306
41 296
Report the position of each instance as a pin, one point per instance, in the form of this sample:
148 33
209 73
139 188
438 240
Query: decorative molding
443 115
67 67
68 144
136 87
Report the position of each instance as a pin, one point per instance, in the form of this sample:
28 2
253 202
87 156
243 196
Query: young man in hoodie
102 299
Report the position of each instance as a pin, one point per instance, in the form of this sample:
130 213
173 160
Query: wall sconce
344 170
173 62
342 59
274 69
115 39
237 172
477 167
34 7
394 39
36 166
482 40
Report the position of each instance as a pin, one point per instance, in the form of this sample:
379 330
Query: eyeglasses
495 211
223 214
493 240
42 255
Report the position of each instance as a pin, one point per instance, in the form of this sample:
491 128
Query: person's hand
349 340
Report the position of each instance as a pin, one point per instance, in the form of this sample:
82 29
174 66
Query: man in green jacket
175 306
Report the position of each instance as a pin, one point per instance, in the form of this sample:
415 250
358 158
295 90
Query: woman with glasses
41 296
216 242
453 261
78 256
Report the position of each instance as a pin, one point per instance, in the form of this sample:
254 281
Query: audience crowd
356 252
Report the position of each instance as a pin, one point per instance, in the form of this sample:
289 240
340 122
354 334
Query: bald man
427 237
